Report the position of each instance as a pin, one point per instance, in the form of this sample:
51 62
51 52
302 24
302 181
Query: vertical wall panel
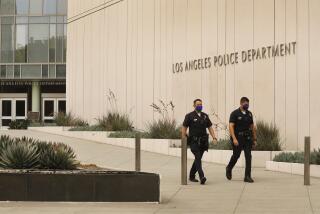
280 69
263 73
244 75
121 55
302 55
148 59
193 45
231 101
291 79
179 55
314 32
210 49
139 77
221 86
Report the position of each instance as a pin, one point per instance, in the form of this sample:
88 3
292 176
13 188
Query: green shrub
115 121
87 128
128 134
268 137
67 119
317 156
164 129
27 153
222 144
298 157
19 124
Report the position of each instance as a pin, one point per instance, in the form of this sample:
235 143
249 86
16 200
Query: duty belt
245 133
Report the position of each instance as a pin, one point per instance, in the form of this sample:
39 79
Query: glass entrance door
48 109
12 109
6 111
51 106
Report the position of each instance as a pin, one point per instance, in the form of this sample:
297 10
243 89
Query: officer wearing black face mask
197 122
243 137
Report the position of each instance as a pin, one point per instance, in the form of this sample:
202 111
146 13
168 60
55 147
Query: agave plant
19 155
57 156
4 141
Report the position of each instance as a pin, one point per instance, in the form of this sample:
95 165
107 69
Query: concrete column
35 97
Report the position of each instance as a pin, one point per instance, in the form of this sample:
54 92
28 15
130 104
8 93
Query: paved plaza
272 192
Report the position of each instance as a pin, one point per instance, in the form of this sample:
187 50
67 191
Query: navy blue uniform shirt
197 124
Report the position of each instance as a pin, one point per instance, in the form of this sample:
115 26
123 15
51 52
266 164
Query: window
38 43
61 71
45 71
21 43
7 43
22 20
36 7
31 71
17 71
62 7
49 7
65 43
20 108
52 71
59 43
62 106
6 7
7 20
3 71
9 71
6 108
39 19
22 7
52 43
49 108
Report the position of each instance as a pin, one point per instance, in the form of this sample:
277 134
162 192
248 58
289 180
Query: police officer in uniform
243 137
198 139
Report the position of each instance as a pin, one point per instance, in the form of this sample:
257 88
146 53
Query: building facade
217 50
32 58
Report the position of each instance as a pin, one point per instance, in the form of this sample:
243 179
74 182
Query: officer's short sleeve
251 117
209 123
186 122
233 118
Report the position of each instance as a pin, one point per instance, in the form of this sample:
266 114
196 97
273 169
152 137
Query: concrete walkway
271 193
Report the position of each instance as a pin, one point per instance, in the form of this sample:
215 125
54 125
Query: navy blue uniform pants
197 163
245 144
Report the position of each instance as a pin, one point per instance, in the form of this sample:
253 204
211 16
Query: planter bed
292 168
164 146
79 185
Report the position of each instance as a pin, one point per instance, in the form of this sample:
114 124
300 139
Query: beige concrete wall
129 46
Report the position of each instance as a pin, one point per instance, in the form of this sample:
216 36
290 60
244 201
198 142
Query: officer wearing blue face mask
198 139
243 137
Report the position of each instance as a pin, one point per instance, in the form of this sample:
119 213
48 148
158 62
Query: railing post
138 152
184 161
307 161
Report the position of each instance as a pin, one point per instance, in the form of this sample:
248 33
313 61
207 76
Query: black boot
228 173
203 180
248 179
193 180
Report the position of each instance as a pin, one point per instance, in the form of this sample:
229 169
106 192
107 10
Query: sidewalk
271 193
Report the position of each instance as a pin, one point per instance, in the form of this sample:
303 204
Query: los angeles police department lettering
195 64
233 58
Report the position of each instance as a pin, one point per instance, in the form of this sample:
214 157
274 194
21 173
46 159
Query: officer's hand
215 141
254 143
235 142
